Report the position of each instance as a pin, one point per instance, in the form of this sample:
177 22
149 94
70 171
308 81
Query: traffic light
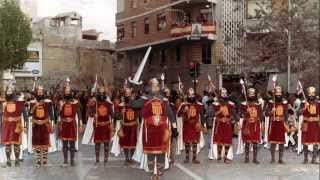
194 69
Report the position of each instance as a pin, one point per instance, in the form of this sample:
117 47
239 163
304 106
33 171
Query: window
163 57
146 1
146 25
161 19
256 7
134 29
134 3
178 56
120 33
206 53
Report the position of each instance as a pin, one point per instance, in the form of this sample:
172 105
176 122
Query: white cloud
97 14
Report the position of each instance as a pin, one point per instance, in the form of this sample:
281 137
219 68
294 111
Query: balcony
186 29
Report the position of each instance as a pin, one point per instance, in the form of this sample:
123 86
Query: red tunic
251 132
191 118
277 128
102 123
155 131
129 127
11 122
68 124
41 127
311 124
223 126
117 108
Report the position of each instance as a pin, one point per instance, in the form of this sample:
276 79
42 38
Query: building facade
60 49
179 32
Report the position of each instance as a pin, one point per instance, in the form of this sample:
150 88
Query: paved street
115 170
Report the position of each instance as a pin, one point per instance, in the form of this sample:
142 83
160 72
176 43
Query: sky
97 14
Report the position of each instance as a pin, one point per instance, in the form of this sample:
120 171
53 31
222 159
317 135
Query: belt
40 122
105 123
67 120
12 119
129 123
224 119
278 119
251 120
310 119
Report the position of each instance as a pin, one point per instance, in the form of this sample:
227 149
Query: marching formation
153 125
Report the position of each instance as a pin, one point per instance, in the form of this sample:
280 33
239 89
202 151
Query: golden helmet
127 92
278 90
67 89
40 89
153 81
251 92
190 92
101 89
9 89
311 91
224 92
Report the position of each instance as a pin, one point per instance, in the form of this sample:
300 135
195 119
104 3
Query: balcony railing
186 29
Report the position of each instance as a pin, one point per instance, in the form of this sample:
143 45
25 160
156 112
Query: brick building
179 32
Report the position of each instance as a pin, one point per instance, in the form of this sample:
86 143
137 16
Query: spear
244 89
162 77
301 89
212 86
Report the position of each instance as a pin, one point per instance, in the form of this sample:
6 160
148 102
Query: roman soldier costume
170 99
251 112
225 116
41 112
310 110
128 132
102 110
69 112
156 114
277 110
12 125
192 116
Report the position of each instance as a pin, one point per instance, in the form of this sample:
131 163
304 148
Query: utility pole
289 46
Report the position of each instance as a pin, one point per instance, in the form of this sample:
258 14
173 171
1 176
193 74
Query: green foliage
15 35
269 42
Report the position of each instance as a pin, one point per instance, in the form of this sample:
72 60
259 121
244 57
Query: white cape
240 147
115 147
141 157
88 133
213 151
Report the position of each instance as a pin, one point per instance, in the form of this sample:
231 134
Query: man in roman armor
12 124
310 110
70 118
225 116
158 120
277 110
102 110
193 120
129 127
167 95
41 112
252 114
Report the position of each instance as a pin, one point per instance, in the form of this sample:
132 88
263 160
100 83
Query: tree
267 38
15 35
